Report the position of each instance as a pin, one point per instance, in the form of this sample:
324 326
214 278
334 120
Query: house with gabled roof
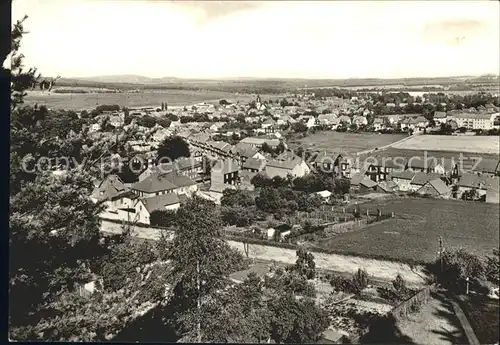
164 183
419 164
254 165
487 166
294 166
435 188
421 178
246 151
366 185
440 117
112 192
480 183
225 172
402 179
327 161
383 166
144 207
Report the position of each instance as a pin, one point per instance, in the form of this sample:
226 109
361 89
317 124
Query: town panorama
345 191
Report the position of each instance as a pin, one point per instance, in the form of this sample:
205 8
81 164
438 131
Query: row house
259 141
476 120
164 183
189 167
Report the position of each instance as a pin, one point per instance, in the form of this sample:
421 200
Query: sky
268 39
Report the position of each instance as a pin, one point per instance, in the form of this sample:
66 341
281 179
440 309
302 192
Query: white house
295 167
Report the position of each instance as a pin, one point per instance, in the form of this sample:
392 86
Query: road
381 272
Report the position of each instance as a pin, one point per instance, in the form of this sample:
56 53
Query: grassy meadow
344 141
413 233
153 98
459 143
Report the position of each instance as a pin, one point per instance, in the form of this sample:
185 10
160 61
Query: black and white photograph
263 172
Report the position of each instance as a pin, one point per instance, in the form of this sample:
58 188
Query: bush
360 280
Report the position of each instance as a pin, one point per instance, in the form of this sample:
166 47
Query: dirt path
378 269
436 323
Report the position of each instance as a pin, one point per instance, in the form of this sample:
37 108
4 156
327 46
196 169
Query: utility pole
441 249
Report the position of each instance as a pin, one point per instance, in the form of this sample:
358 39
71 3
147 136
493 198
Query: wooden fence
405 308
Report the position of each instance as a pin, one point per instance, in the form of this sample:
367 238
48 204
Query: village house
487 166
440 117
435 188
378 171
402 179
413 123
480 184
378 124
296 167
367 185
392 120
254 165
216 126
164 183
356 178
246 151
344 119
386 187
146 206
421 178
188 167
285 120
117 120
225 172
327 162
258 142
112 192
417 164
325 119
359 120
269 126
308 120
95 127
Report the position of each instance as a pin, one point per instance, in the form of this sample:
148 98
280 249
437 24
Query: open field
80 101
344 141
456 155
418 223
479 144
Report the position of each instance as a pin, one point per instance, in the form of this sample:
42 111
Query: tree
147 121
493 268
299 127
295 321
457 266
232 197
269 200
53 219
173 148
305 265
267 149
201 262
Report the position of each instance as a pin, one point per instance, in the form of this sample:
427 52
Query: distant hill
263 85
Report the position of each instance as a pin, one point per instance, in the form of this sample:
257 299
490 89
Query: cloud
308 39
209 11
454 31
